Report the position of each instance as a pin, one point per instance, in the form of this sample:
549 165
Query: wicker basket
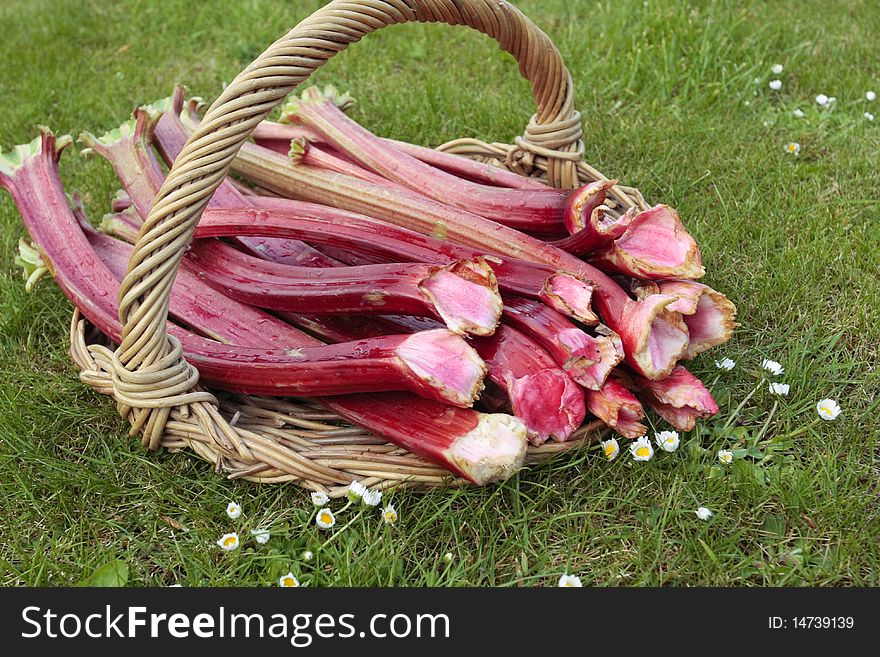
284 440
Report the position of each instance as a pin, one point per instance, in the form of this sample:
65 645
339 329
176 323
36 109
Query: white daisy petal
325 518
233 510
320 498
356 491
776 69
869 116
776 85
725 456
772 366
371 497
389 514
828 409
610 448
725 364
799 113
822 100
261 536
780 389
229 542
704 514
570 581
668 441
641 449
871 96
288 581
793 148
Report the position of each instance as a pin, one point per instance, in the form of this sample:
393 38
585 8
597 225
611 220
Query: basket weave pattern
279 440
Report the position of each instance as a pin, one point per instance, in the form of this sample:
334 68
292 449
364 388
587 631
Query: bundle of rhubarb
453 308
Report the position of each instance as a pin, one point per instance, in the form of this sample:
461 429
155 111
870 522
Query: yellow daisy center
230 541
643 451
791 148
289 582
326 518
390 516
825 409
609 450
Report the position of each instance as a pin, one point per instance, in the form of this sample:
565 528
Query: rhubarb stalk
537 211
477 446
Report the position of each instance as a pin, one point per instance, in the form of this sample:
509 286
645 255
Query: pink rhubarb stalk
277 137
653 337
401 362
537 211
709 315
679 399
618 408
655 245
480 447
318 224
548 401
587 359
463 294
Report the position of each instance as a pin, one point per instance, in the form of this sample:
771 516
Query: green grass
669 105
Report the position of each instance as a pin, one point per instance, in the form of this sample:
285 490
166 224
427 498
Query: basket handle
142 357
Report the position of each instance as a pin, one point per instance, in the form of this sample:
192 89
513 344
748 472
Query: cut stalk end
709 315
492 451
571 296
655 246
448 367
465 296
583 202
549 403
654 337
618 408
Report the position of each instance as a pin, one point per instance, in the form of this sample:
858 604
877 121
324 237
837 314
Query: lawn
675 100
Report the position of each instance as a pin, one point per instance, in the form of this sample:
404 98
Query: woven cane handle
206 158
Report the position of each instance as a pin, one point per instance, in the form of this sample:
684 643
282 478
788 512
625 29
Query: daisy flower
288 581
233 510
229 542
389 514
776 69
319 498
261 536
611 448
448 557
668 441
570 580
641 449
869 116
704 514
822 100
725 364
871 96
793 148
325 518
779 389
799 113
772 366
356 491
776 85
828 409
371 497
308 556
725 456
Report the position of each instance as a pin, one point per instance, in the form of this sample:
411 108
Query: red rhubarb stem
477 446
537 211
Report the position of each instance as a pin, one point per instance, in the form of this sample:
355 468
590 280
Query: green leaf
111 574
774 523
